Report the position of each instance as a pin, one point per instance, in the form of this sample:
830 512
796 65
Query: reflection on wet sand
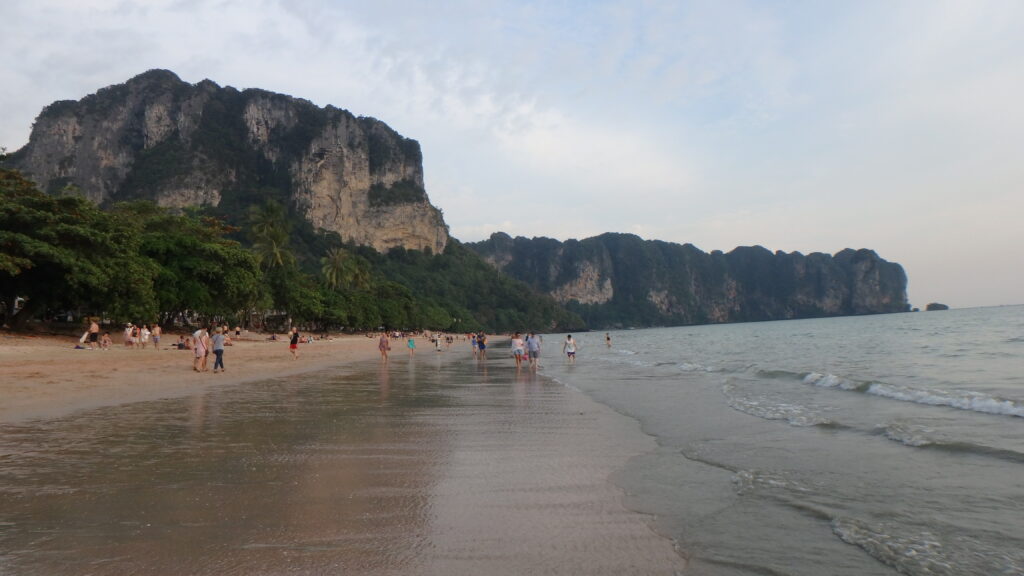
377 470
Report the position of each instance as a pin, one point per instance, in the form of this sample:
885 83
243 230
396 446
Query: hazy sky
807 126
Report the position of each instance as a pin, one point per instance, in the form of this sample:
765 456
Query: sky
799 126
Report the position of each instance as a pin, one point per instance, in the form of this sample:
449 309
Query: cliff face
159 138
622 280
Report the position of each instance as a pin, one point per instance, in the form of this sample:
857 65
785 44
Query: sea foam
960 399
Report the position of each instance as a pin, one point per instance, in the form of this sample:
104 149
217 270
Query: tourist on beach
481 341
106 341
199 347
218 350
473 344
412 346
533 350
607 340
157 333
384 345
144 335
94 334
127 335
569 347
518 349
293 344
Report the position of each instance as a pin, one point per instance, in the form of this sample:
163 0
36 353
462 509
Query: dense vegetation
138 262
654 283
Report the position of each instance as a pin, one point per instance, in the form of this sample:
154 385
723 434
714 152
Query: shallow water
846 446
436 466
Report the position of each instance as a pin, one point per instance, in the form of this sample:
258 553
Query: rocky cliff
156 137
621 280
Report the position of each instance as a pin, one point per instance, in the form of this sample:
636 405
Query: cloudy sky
800 126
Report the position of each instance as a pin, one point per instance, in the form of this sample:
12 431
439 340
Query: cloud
800 127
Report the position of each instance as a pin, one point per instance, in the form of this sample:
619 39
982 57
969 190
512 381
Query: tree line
136 261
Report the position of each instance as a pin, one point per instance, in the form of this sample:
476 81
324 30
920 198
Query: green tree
65 252
199 269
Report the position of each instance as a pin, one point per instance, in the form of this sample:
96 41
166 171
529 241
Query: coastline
46 377
433 465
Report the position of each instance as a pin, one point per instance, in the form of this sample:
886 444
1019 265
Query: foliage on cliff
143 263
158 138
616 280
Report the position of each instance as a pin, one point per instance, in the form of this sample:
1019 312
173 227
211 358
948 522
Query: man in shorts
533 350
94 334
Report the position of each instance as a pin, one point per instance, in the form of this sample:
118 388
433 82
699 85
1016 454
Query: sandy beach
127 461
46 377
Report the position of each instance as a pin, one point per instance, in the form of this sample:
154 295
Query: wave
763 407
924 437
960 399
694 367
926 553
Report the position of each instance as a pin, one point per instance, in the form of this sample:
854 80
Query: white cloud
811 127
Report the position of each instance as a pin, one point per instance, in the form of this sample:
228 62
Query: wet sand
45 377
439 465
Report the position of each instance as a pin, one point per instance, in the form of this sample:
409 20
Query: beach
46 377
127 461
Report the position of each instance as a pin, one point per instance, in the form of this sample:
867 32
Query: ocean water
889 444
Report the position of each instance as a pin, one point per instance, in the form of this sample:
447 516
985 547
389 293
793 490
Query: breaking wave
960 399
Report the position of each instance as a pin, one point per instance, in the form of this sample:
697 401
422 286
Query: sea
887 444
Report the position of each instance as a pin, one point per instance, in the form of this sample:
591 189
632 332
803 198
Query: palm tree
272 251
341 268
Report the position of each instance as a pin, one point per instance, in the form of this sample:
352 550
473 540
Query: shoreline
46 377
446 464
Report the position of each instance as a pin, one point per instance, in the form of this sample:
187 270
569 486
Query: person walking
384 345
474 345
218 350
412 346
518 349
200 350
534 351
569 348
157 333
293 344
481 341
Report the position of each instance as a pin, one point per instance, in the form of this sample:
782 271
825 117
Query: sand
335 463
46 377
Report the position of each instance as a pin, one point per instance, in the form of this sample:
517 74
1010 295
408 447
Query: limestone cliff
157 137
622 280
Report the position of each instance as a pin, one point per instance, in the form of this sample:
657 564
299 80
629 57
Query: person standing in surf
518 349
384 345
481 341
533 350
569 347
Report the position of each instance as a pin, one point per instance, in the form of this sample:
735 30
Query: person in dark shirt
294 344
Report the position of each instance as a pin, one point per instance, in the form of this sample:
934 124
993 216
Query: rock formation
935 307
159 138
622 280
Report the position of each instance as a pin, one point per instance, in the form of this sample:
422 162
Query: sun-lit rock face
159 138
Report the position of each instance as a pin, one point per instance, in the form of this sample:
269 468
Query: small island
935 306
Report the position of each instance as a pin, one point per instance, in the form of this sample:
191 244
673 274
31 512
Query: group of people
530 347
203 343
139 336
527 348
